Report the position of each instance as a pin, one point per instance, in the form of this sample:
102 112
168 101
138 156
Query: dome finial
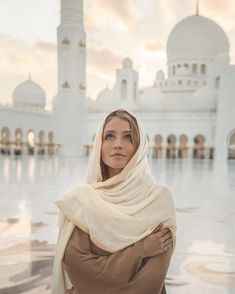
197 7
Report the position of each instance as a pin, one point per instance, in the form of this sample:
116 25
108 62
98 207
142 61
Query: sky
115 29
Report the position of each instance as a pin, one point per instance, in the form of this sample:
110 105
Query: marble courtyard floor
204 195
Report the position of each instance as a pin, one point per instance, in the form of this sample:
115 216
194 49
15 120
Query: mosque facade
187 113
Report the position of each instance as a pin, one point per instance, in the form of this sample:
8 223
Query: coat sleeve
91 273
151 277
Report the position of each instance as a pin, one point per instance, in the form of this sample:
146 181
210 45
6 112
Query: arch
171 147
5 133
18 142
231 145
41 142
180 82
51 145
173 70
183 148
124 90
31 142
194 68
157 148
5 141
217 82
203 68
135 91
199 148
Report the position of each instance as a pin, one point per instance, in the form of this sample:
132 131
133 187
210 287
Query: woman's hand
158 242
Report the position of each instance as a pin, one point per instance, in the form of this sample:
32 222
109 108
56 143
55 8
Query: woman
117 231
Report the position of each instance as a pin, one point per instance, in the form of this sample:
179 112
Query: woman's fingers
165 231
166 236
168 242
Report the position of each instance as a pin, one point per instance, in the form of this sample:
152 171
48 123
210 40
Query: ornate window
217 82
124 90
82 44
203 68
82 87
65 41
134 92
66 85
194 68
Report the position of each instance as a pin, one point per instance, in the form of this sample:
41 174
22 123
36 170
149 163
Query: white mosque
188 113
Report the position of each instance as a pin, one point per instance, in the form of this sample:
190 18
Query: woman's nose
118 143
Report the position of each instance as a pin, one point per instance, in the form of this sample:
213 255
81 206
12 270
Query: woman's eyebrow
113 131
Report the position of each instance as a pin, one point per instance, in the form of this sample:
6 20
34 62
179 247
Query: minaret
69 102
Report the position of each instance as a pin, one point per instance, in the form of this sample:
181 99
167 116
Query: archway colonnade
19 143
172 147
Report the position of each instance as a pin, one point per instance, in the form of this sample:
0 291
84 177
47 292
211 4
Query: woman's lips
117 155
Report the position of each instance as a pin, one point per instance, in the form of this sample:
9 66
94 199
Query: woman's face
117 146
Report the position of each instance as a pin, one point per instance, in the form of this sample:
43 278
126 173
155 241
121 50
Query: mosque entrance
198 148
183 148
41 143
171 147
51 145
5 141
30 142
18 142
157 149
231 145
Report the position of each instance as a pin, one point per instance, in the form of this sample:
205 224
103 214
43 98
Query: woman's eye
108 137
128 137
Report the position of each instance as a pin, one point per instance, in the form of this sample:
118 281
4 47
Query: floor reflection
26 267
203 191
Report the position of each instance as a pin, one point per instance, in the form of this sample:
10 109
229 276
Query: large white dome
29 93
196 37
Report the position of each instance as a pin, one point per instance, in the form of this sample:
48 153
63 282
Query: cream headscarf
121 210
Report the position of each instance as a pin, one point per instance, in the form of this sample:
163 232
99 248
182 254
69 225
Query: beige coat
92 270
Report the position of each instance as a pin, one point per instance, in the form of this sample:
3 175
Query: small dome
104 95
152 98
29 93
204 98
183 71
104 99
127 63
160 75
196 37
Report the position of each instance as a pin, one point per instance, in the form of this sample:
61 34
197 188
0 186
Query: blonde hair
123 114
135 134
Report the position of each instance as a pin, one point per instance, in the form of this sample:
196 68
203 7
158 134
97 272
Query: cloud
103 61
112 15
17 60
216 7
155 46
